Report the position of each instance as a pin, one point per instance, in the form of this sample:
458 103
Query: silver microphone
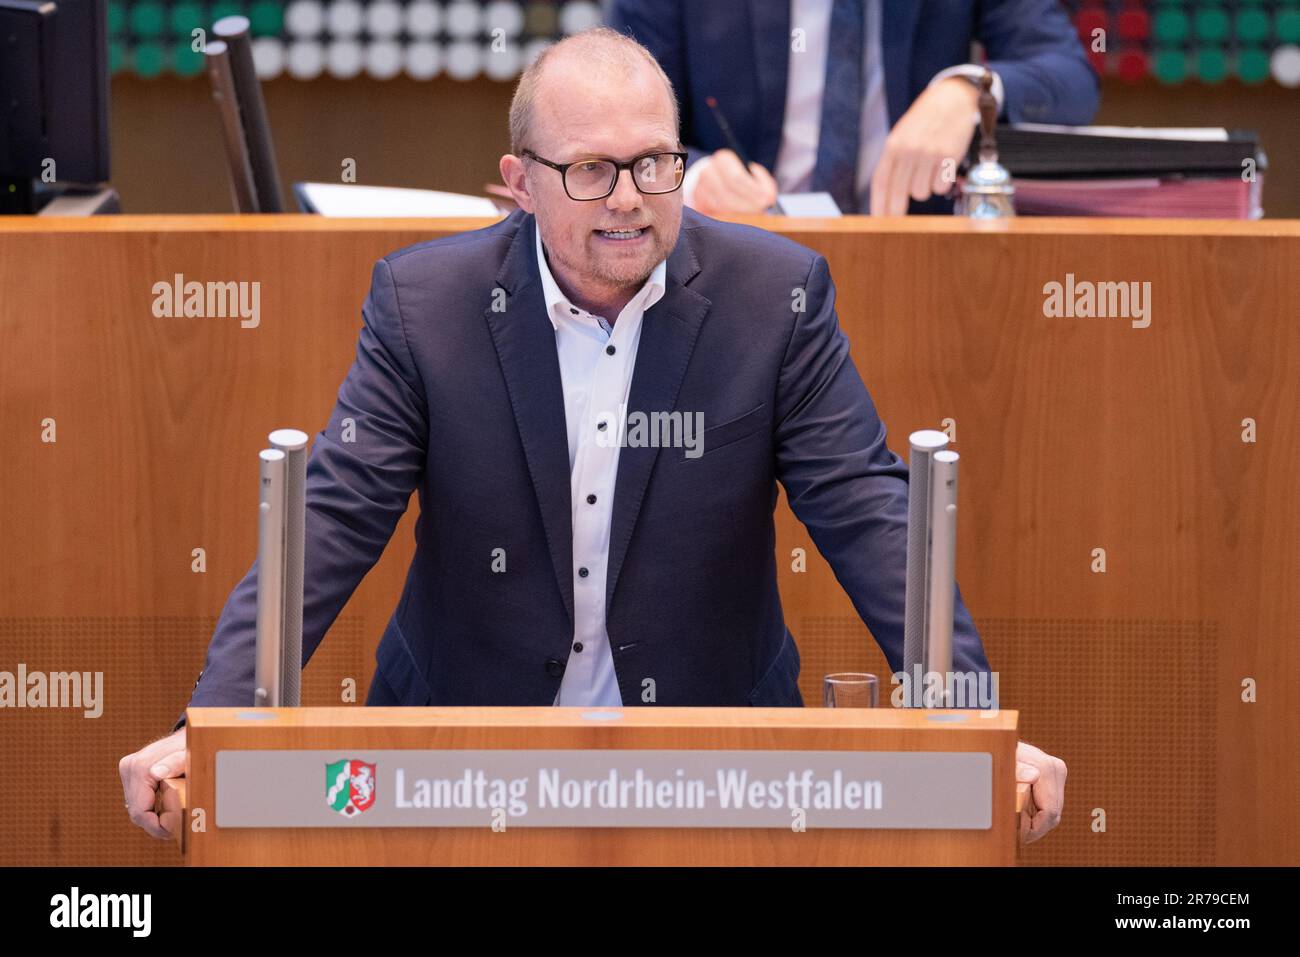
942 583
270 579
282 528
932 486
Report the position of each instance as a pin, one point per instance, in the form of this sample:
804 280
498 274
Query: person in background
872 101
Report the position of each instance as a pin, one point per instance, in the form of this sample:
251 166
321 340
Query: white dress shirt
596 386
801 128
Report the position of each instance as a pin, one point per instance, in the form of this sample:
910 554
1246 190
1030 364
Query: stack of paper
339 199
1197 172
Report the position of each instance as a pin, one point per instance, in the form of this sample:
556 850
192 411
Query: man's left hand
926 146
1046 774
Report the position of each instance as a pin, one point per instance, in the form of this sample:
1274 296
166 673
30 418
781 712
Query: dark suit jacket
739 52
462 402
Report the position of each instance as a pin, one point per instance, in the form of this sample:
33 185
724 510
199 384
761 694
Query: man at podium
595 399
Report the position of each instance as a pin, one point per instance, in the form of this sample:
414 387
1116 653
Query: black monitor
53 99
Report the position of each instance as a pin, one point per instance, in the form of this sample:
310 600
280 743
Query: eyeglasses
595 177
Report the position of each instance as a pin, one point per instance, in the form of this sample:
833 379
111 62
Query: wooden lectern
227 741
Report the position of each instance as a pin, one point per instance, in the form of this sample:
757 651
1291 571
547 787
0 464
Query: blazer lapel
525 345
770 21
668 333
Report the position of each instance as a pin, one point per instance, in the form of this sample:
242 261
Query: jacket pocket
399 669
733 430
779 686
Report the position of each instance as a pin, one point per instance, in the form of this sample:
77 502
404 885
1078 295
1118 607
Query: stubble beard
620 275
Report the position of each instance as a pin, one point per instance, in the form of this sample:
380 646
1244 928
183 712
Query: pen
733 144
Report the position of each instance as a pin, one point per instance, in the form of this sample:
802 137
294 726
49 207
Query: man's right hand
141 773
724 187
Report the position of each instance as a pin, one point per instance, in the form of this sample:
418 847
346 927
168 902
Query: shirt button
582 572
609 350
577 646
601 425
572 310
554 667
591 500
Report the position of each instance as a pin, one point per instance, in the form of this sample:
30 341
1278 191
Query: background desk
1075 434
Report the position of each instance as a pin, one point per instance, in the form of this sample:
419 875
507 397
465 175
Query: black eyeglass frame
563 169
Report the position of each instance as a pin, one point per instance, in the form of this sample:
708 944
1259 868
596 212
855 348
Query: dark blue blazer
739 52
462 402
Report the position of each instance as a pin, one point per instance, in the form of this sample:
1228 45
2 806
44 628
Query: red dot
1089 20
1133 66
1134 25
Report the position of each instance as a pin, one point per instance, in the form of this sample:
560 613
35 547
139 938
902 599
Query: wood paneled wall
1075 435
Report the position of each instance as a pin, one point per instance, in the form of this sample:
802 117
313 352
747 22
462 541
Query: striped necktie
840 137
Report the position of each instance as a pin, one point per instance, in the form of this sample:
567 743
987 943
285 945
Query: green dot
225 8
116 56
1288 26
1211 65
147 19
1170 66
1252 66
185 61
1211 23
116 18
148 60
1170 26
186 17
267 18
1252 25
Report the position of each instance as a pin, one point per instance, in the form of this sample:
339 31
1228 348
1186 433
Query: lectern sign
605 788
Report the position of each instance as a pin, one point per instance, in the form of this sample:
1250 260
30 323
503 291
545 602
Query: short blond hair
600 46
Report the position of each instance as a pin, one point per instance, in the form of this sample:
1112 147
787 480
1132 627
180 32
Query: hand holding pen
729 182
